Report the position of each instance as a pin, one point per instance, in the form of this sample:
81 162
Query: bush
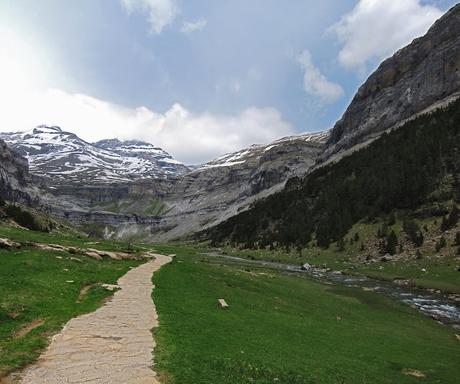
457 238
451 220
341 245
2 202
22 217
413 232
441 244
391 243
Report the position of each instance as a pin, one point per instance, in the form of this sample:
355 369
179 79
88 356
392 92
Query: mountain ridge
53 152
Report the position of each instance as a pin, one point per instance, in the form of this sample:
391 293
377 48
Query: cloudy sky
197 77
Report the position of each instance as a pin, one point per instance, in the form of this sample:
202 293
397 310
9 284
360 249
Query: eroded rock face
15 180
169 208
419 76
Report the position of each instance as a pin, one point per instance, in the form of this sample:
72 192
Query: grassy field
430 271
287 329
41 290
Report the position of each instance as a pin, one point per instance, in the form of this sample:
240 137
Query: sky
198 78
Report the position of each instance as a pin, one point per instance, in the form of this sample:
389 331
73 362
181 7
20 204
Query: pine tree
391 243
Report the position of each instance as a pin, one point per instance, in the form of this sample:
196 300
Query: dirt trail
112 345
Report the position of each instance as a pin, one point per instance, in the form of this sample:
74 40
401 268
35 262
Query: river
438 306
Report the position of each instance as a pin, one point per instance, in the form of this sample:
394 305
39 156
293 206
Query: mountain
223 187
414 170
402 141
189 202
64 157
15 180
416 79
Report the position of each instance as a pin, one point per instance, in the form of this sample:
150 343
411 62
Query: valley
327 256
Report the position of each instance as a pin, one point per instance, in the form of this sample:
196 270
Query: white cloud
375 29
26 102
190 27
191 138
315 83
161 13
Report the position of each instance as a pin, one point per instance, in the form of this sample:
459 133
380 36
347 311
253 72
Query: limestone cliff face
15 180
424 74
164 209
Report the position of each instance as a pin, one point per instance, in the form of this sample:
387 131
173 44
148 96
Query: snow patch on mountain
67 158
257 151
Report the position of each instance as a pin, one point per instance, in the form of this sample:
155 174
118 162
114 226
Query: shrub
441 244
22 217
413 232
341 244
391 243
457 238
451 220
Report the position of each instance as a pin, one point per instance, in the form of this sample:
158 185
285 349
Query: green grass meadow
287 329
42 286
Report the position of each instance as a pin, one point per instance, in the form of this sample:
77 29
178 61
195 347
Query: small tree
413 232
457 238
441 244
391 243
341 244
451 220
392 219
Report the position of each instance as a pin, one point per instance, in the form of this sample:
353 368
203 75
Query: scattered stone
76 259
112 255
70 281
110 287
457 337
65 270
338 318
223 304
9 244
93 255
59 257
305 267
413 373
50 247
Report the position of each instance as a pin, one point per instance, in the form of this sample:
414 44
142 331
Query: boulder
9 244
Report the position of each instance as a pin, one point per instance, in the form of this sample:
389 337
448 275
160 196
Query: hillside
415 169
418 78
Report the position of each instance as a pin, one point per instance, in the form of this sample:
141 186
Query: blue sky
197 77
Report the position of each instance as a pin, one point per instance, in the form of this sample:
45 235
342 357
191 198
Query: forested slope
415 166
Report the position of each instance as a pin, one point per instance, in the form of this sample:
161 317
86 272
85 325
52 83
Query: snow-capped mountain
258 152
65 157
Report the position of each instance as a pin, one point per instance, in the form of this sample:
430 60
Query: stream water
439 306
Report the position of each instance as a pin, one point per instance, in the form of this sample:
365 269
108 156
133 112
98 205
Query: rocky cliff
15 180
176 206
419 77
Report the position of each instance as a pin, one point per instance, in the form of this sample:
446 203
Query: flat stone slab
113 345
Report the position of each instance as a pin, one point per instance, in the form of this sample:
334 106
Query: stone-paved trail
112 345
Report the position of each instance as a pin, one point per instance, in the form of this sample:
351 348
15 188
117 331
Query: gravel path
112 345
